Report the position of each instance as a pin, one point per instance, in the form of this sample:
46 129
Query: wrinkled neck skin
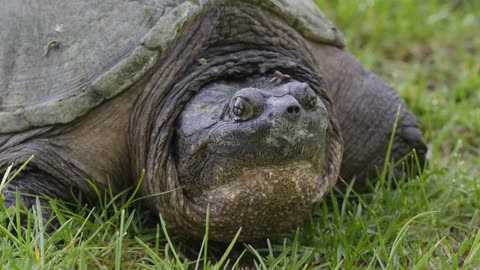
263 190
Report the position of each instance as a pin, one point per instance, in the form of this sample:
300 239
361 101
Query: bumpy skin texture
264 147
148 128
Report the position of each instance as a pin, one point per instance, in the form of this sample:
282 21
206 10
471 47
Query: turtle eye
246 104
239 105
241 109
305 95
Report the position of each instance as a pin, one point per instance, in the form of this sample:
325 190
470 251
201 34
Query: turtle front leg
366 109
31 184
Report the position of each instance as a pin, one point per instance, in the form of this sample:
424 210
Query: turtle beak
284 108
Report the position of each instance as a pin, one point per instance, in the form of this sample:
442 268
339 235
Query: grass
428 50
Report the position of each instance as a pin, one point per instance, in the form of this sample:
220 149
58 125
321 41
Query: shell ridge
85 88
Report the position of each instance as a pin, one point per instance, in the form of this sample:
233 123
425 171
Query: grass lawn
429 51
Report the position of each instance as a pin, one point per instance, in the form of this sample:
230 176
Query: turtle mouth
241 156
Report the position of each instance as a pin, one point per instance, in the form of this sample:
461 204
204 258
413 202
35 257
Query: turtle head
255 152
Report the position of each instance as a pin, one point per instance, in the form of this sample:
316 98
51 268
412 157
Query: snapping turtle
249 108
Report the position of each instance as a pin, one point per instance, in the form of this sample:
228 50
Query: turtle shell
59 59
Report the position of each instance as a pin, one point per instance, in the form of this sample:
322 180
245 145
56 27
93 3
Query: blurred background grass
430 52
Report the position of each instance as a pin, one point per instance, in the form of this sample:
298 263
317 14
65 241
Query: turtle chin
262 200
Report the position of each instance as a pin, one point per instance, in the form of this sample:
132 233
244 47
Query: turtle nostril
294 109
